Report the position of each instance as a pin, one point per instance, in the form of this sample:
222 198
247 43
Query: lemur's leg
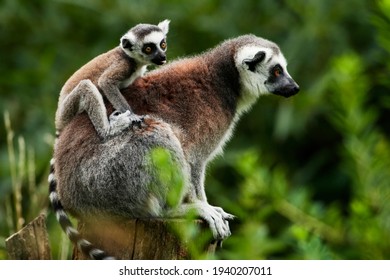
86 97
196 203
197 180
198 190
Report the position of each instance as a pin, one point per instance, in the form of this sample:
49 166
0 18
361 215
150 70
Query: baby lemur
192 105
110 72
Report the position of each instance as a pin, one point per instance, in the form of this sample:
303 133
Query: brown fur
193 105
94 69
114 64
200 115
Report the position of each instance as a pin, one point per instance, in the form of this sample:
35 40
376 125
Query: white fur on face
154 37
253 83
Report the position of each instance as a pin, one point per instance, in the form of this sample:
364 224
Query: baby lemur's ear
127 44
164 26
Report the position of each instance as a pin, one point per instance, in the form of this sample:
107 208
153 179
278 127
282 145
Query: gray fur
193 105
107 74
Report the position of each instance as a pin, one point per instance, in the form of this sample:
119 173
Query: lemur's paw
119 122
216 219
225 215
117 115
122 121
137 121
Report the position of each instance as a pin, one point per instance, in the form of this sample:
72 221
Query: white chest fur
139 72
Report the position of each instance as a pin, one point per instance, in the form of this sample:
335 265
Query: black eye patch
275 73
149 48
163 45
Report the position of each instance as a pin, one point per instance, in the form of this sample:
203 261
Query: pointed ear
126 43
259 57
164 26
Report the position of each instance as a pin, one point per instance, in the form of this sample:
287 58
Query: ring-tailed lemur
107 74
193 105
114 70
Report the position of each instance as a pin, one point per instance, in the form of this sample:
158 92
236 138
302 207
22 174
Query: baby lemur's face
146 43
153 49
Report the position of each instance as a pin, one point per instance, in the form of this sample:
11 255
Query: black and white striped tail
85 246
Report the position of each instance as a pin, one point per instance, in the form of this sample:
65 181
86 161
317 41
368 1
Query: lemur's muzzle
160 59
287 89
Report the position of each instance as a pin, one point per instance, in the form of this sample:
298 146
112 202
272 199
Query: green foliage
307 177
169 174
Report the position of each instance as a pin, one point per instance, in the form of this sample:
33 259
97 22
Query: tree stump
31 242
145 239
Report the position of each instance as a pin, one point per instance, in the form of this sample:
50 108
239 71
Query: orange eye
277 72
148 50
163 45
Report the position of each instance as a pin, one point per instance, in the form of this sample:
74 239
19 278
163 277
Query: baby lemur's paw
137 121
117 115
122 121
119 121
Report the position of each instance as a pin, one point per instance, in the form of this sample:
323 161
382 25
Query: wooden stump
139 239
31 242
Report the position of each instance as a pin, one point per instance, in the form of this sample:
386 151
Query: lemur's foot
137 121
122 121
216 218
225 216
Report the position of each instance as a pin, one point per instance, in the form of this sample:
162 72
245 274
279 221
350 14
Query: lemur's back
189 98
93 69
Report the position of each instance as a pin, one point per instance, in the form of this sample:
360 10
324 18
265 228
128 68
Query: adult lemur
192 105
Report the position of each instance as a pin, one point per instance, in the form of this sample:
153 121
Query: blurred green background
307 177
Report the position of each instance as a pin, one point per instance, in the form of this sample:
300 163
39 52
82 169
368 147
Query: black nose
160 59
295 89
288 90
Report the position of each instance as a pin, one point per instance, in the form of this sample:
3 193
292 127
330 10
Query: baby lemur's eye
148 48
163 45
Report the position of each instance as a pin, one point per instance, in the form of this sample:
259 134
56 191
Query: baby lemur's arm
113 79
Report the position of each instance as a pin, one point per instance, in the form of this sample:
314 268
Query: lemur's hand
216 218
122 121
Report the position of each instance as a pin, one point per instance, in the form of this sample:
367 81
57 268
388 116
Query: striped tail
85 246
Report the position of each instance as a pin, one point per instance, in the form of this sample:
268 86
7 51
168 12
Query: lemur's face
146 43
263 70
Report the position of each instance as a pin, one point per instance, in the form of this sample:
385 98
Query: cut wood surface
143 239
31 242
137 239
